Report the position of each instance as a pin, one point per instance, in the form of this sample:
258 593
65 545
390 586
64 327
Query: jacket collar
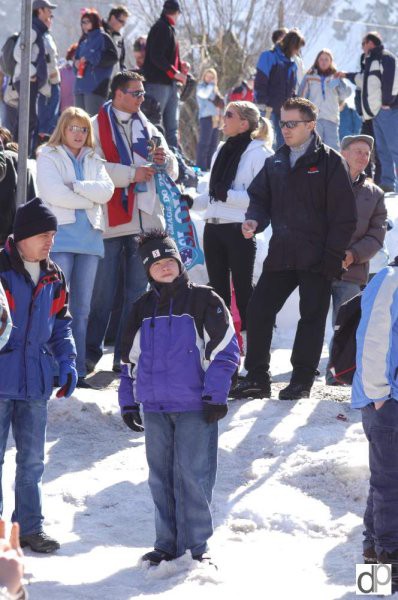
38 25
360 180
376 52
313 154
166 291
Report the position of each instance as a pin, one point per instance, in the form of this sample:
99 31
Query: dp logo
373 579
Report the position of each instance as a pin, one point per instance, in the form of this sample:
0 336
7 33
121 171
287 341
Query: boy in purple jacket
180 351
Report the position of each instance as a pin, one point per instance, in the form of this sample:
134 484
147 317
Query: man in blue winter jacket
38 302
375 392
180 351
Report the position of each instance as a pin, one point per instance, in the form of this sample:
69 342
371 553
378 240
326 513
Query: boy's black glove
214 412
188 198
133 420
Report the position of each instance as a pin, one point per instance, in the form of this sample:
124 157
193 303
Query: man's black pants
272 290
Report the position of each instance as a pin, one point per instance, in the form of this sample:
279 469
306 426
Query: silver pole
24 100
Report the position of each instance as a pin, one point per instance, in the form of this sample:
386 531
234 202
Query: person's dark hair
293 40
152 234
35 13
140 44
278 34
307 109
118 11
93 15
375 37
315 67
122 79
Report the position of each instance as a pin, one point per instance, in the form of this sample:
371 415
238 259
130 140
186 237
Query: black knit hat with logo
33 218
154 246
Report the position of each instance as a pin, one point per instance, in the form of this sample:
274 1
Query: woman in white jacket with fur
234 166
73 181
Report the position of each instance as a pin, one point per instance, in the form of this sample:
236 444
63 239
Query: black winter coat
311 208
160 55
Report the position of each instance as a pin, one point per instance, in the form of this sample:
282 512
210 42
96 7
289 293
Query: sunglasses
136 94
86 22
122 21
77 129
291 124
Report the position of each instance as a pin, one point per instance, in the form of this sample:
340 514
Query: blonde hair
259 127
72 114
213 72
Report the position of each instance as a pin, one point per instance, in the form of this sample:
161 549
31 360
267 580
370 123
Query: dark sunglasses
291 124
85 22
136 94
77 129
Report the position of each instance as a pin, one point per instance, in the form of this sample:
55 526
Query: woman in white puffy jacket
73 181
234 166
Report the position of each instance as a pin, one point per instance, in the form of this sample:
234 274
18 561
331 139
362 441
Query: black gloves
133 420
188 198
214 412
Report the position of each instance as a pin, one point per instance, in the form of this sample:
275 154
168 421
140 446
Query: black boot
156 556
370 556
39 542
251 387
295 391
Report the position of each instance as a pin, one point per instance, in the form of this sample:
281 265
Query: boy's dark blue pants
381 514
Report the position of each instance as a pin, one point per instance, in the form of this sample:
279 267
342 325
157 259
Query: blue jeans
208 140
167 97
385 125
278 137
80 271
341 292
329 133
381 517
181 450
28 420
118 251
48 110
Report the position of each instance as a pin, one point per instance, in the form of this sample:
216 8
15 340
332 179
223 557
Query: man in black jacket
304 191
117 19
163 68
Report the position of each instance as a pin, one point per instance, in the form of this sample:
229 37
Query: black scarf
226 164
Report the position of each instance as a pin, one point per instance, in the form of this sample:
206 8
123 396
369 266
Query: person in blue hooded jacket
276 78
37 297
375 393
95 58
180 352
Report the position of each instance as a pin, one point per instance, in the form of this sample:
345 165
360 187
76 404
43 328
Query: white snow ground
288 502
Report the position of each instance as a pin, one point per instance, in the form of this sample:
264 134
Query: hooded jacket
311 208
42 327
180 345
276 78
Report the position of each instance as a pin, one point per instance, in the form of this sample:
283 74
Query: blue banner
178 221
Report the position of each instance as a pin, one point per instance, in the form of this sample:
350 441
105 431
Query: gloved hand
188 199
332 267
214 412
67 379
133 419
221 191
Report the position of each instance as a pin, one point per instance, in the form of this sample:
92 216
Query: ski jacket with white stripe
376 376
179 346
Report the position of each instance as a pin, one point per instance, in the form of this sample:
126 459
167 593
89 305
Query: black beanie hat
157 248
33 218
171 6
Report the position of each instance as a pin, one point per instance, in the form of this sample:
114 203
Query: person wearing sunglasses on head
124 137
234 166
73 181
117 20
96 55
304 191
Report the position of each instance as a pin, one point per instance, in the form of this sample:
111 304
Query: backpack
7 60
344 344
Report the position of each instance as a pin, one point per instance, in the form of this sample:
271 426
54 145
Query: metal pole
24 100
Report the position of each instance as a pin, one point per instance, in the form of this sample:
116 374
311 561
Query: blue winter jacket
376 375
101 55
41 328
180 346
276 79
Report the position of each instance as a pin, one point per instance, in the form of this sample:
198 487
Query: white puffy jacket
234 209
56 173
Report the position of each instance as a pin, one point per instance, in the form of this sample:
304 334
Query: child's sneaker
155 556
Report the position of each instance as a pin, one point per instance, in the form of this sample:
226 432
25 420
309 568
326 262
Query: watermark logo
373 579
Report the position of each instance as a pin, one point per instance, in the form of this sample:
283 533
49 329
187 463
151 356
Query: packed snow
288 503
